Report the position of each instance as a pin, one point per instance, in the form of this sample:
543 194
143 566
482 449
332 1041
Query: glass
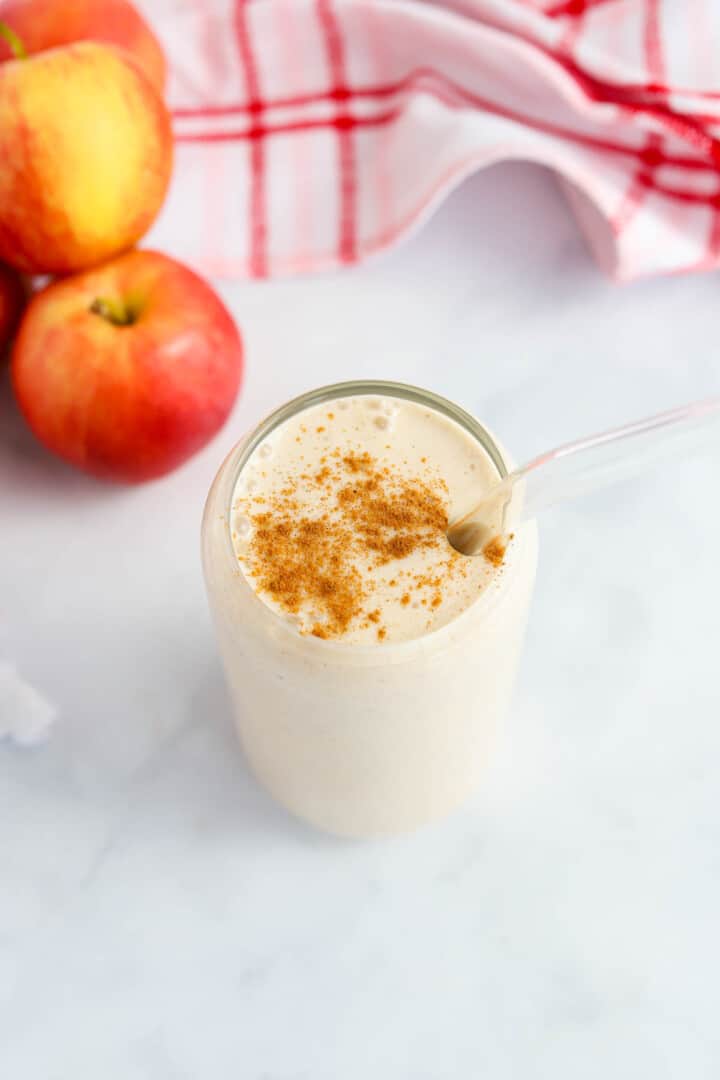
362 740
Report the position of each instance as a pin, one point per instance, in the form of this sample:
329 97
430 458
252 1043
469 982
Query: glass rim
368 388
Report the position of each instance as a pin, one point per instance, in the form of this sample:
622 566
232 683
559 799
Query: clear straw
580 467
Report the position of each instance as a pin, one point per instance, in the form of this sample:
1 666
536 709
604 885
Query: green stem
16 46
114 311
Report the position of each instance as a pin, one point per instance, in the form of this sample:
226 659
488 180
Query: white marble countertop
161 919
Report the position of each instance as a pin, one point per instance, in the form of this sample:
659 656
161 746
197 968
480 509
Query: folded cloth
314 133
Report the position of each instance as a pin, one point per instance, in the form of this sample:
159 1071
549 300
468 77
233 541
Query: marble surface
161 919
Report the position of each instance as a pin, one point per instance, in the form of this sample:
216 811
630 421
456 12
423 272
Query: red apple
44 24
12 300
128 369
85 157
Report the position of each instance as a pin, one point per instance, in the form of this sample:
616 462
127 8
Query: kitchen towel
312 134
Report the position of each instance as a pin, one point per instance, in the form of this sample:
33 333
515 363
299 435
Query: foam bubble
242 526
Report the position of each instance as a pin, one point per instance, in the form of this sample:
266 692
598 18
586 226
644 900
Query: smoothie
369 662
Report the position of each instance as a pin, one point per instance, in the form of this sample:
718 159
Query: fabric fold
313 134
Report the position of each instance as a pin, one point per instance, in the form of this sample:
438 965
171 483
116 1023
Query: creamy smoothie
369 661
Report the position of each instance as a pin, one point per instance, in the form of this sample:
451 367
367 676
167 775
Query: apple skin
12 301
86 152
45 24
127 402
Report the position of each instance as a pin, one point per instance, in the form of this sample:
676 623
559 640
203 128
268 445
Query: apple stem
16 46
114 311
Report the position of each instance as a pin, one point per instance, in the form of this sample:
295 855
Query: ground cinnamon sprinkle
393 520
311 563
358 462
495 549
300 560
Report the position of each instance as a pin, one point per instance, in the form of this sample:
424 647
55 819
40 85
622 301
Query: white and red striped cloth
314 133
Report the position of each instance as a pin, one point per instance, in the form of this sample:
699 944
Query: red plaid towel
313 133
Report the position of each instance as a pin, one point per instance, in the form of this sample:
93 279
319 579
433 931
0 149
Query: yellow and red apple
128 369
85 157
12 301
45 24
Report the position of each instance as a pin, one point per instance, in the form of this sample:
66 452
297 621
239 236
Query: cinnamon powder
495 550
362 514
310 563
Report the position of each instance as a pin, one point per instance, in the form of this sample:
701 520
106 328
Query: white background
161 919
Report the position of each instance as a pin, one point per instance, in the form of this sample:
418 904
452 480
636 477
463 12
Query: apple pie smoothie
369 662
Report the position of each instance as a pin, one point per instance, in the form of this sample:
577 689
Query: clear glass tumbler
363 740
